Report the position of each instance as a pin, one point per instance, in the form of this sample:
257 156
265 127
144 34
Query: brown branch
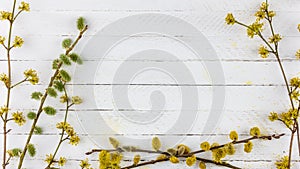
268 137
43 99
8 48
167 159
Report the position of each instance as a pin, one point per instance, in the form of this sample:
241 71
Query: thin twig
22 81
62 139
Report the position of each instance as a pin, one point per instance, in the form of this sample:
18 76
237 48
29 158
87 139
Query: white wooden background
254 86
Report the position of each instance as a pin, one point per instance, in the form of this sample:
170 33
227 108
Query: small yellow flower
74 140
34 80
62 161
202 165
263 51
230 20
295 95
295 82
255 131
248 147
254 29
3 110
4 78
24 7
31 76
275 39
76 100
70 131
84 164
299 27
62 125
205 146
19 118
30 72
271 14
297 54
287 118
136 159
273 116
18 42
283 163
190 161
63 99
2 40
264 6
174 159
233 136
293 113
49 158
4 15
260 15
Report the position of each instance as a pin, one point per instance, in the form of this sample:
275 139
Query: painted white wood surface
253 86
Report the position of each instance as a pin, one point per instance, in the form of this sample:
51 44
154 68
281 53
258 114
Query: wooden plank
107 72
209 23
247 97
155 5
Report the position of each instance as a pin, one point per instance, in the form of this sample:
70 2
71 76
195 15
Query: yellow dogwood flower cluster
109 160
263 51
18 42
230 20
84 164
73 137
2 40
289 117
32 76
286 117
255 29
50 160
4 78
19 118
3 110
62 161
283 163
4 15
24 7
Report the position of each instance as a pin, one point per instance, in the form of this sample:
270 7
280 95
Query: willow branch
268 137
167 159
43 99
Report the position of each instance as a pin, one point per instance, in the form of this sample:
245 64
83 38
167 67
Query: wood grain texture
252 86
